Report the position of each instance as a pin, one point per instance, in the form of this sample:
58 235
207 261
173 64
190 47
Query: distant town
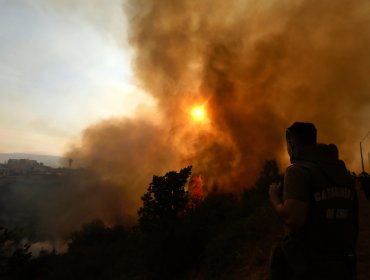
17 167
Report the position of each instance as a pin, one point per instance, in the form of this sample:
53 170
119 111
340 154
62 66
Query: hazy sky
63 66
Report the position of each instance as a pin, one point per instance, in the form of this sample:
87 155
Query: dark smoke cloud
258 66
264 66
126 153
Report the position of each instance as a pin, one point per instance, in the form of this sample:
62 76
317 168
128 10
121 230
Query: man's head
300 134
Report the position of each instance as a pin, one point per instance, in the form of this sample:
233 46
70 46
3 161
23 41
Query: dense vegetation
226 236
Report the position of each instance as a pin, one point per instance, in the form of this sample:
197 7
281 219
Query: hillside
224 237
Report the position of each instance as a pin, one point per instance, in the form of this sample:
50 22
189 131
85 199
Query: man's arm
293 212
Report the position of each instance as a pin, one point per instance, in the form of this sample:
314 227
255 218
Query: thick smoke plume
256 66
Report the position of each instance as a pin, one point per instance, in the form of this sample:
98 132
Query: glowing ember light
198 113
195 191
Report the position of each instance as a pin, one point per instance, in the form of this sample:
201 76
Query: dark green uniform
321 248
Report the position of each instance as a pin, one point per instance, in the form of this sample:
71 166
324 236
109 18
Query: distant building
19 167
22 166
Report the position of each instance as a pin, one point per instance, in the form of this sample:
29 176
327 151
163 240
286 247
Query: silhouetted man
364 180
318 208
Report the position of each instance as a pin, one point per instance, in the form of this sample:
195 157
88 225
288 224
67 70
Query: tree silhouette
14 256
164 203
165 200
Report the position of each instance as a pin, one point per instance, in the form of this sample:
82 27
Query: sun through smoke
198 113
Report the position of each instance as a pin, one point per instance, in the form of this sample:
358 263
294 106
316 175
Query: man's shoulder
299 167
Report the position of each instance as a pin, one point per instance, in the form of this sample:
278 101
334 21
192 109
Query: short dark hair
303 133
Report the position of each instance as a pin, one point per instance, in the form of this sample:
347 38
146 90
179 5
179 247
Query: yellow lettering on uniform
330 214
342 214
